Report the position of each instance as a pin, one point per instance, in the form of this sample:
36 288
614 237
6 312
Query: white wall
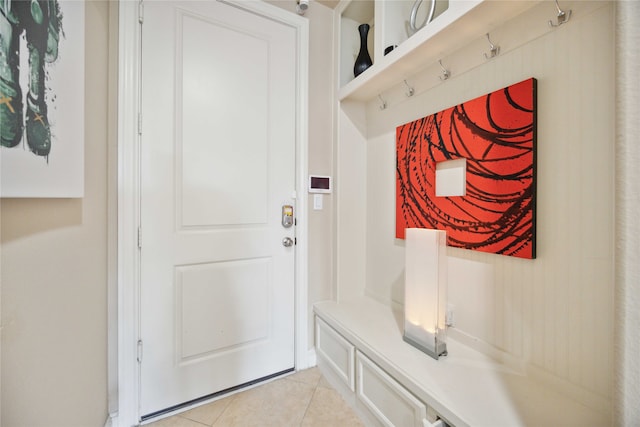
54 279
321 222
54 311
321 228
627 385
552 315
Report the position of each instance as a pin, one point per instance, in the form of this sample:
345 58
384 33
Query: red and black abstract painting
496 134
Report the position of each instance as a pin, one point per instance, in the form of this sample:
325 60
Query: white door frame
128 277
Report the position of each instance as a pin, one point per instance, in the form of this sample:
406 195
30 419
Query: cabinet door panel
387 400
337 352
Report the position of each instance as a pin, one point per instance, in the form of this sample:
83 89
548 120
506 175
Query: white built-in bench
360 350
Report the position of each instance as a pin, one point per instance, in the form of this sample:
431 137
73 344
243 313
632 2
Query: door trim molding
128 211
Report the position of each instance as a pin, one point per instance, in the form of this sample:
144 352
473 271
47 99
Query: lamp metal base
439 348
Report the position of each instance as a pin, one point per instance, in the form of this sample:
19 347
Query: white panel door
218 163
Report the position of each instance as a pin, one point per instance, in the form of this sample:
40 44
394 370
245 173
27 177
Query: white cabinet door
335 351
385 398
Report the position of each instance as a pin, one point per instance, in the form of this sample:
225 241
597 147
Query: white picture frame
60 173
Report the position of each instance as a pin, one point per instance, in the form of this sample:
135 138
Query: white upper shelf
464 21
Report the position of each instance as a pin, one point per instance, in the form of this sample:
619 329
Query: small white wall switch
317 202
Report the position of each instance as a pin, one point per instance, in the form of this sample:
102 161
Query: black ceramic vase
363 61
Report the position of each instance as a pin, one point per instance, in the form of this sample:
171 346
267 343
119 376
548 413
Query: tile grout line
231 399
306 410
308 380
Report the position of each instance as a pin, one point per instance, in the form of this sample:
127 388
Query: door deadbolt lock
287 242
287 216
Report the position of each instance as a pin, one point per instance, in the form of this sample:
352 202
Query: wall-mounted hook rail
493 50
383 105
410 91
562 17
445 73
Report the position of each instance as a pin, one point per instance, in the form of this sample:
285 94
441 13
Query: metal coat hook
563 16
384 103
445 73
494 50
410 90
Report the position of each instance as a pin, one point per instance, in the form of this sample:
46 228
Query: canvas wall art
41 98
471 170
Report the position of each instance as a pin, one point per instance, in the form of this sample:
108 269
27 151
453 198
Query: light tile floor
302 399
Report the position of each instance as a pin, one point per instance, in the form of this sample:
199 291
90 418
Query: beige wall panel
321 231
554 314
54 279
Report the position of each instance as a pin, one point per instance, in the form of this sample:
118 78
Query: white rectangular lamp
425 290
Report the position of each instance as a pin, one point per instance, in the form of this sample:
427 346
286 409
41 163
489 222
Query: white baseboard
312 359
112 420
348 395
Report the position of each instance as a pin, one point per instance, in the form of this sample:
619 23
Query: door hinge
139 355
140 12
139 237
139 123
